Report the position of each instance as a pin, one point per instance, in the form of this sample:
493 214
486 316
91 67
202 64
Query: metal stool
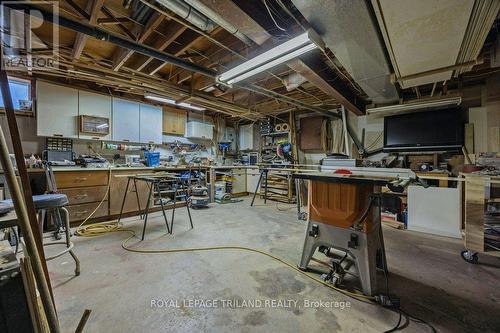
54 204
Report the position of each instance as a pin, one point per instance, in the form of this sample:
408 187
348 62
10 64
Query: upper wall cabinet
174 121
150 124
57 110
94 105
125 122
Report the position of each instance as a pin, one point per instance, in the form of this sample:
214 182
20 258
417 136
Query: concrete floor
434 283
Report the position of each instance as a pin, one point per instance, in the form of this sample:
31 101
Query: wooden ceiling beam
120 25
122 55
80 11
93 9
191 40
172 31
115 20
157 65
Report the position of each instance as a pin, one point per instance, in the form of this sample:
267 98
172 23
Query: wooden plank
474 213
494 139
469 138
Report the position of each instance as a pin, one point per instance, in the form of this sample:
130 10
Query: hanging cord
272 17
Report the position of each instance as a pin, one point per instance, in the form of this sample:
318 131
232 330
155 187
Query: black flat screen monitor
437 130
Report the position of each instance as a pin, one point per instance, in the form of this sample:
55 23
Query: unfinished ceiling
428 40
350 32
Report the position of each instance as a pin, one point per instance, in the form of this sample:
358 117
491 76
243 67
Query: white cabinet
246 137
151 124
57 110
253 175
125 122
97 105
239 181
198 130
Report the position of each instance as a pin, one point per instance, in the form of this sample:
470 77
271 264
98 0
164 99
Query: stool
54 204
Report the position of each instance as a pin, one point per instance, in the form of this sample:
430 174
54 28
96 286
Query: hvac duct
219 20
348 29
188 13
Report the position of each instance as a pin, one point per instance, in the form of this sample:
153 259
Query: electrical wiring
272 17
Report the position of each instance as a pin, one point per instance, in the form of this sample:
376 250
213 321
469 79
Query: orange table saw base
333 210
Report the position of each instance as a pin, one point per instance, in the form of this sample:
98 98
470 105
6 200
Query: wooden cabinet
174 121
117 191
57 110
85 190
71 179
126 120
150 124
97 105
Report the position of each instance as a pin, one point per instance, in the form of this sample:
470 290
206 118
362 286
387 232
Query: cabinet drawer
81 212
69 179
84 194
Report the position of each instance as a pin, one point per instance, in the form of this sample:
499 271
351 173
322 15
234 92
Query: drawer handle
81 196
81 212
80 179
126 140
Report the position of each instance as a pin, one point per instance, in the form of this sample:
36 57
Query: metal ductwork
349 30
188 13
219 20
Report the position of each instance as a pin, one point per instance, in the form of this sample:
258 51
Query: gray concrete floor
434 283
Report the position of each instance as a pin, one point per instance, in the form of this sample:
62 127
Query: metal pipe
219 20
188 13
24 223
346 135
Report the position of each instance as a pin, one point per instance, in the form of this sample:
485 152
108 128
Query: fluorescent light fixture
280 54
209 89
189 106
161 99
173 102
454 101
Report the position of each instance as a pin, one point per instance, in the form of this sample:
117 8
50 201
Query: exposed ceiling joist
172 31
93 9
122 55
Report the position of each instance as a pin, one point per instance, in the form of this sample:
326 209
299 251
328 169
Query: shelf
275 133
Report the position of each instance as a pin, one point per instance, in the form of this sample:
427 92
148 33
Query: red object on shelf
343 172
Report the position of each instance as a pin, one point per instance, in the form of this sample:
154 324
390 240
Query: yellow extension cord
102 228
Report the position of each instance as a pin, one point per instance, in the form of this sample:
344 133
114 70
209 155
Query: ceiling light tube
454 101
173 102
160 99
189 106
278 55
